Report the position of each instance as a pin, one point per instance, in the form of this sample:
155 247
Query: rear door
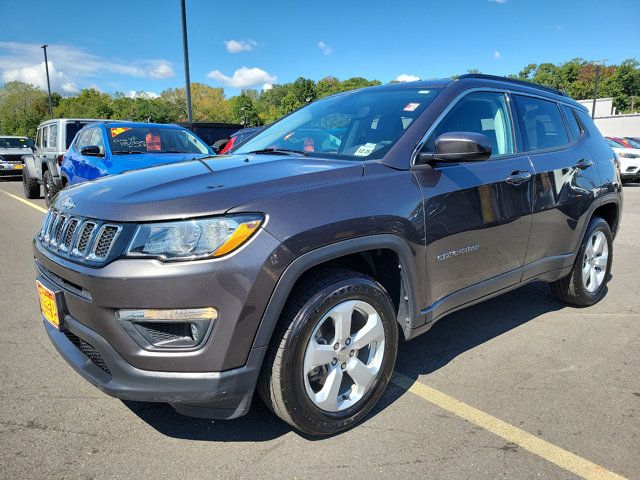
564 182
477 214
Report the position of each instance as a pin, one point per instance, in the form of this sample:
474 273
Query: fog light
168 329
184 315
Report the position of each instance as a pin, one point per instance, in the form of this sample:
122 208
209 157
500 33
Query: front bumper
216 379
223 395
9 169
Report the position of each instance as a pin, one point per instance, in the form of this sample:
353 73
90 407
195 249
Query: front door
477 214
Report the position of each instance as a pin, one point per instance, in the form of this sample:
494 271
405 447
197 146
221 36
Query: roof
129 123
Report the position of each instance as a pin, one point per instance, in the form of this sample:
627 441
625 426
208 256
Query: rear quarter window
574 127
541 123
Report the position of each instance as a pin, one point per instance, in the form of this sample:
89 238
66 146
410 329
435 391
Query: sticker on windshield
411 107
118 130
365 150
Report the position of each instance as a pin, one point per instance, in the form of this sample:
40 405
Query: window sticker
424 92
411 107
118 130
365 150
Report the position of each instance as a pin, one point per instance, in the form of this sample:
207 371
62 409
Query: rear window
574 126
541 123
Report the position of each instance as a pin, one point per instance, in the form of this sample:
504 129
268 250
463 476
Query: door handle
582 164
518 177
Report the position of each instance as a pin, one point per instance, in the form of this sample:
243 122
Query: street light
46 67
598 63
185 49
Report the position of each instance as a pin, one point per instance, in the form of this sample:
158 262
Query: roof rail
514 80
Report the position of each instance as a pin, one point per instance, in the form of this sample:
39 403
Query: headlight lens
193 239
629 155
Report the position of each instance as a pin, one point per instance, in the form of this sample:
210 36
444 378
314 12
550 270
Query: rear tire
293 379
30 185
587 282
50 187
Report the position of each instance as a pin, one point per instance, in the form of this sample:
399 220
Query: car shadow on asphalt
449 338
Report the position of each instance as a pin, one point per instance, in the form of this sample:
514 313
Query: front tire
30 185
587 282
332 354
50 187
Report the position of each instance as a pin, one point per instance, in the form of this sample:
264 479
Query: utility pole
595 86
46 67
185 48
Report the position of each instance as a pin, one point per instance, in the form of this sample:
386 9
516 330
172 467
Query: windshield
357 125
13 143
129 140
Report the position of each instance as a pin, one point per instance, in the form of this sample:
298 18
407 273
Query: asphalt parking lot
517 387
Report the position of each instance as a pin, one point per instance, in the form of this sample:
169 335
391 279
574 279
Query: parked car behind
633 142
109 148
12 149
43 167
239 137
623 142
295 272
628 159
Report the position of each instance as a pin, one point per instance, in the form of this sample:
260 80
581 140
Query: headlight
193 239
629 155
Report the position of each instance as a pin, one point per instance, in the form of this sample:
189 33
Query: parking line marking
26 202
562 458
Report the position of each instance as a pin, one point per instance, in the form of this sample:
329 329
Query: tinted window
574 126
71 130
97 139
355 125
53 136
480 112
541 123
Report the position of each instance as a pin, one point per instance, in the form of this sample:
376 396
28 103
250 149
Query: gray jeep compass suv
297 264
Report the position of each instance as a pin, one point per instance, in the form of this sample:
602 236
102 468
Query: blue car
110 148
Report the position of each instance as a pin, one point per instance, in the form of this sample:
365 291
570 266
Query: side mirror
31 144
91 151
459 147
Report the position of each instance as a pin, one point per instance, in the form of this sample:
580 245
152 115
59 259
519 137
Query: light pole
598 63
185 48
46 67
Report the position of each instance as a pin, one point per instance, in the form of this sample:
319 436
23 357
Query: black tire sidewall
580 290
307 415
50 189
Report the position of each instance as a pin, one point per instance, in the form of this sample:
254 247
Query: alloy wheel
595 261
344 355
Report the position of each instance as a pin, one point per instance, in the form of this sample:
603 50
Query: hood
15 151
123 163
195 188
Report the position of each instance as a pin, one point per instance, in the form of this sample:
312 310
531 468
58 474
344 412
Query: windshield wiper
278 151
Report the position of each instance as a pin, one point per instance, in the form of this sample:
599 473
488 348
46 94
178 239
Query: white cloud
406 78
497 55
23 61
243 77
267 86
141 94
237 46
161 70
326 49
37 75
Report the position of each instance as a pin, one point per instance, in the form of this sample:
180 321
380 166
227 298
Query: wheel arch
348 253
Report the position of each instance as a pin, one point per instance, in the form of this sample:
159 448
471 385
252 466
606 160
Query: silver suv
12 149
42 168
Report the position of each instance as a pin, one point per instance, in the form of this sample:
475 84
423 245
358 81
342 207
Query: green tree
22 108
89 103
243 111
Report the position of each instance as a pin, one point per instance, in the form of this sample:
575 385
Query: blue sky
136 45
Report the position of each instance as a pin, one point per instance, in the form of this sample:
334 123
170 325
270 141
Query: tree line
23 106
